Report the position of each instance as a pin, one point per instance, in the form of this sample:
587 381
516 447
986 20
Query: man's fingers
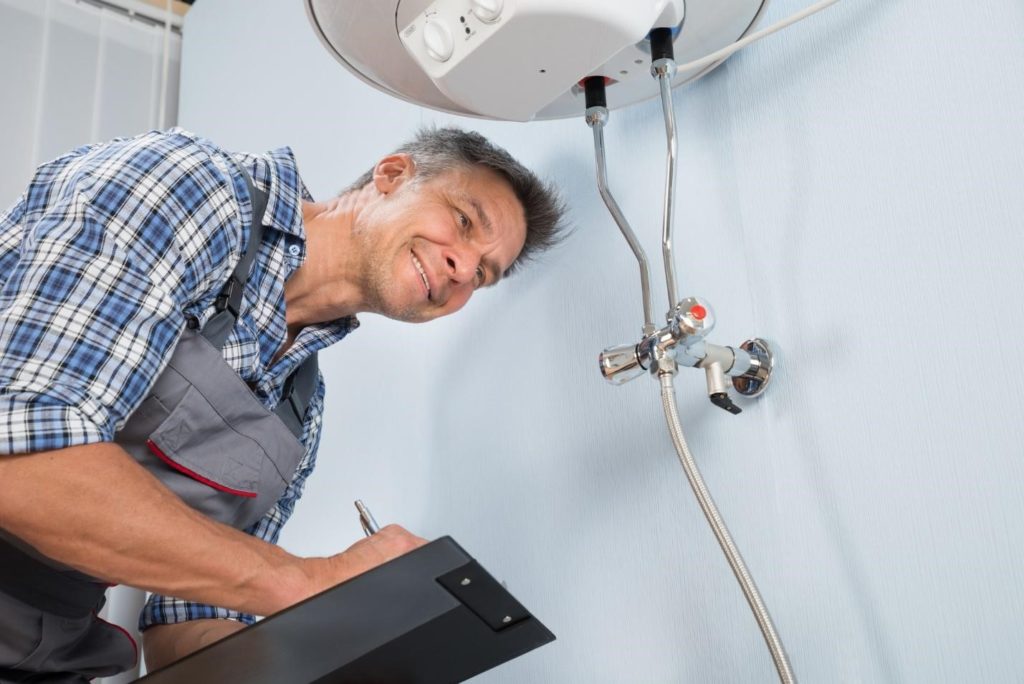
401 536
386 544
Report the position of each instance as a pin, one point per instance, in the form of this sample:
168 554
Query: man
158 388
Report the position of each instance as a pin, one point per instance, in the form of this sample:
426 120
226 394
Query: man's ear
392 171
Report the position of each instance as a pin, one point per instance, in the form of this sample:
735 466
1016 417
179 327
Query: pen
370 525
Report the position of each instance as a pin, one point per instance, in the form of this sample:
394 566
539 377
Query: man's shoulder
173 170
275 169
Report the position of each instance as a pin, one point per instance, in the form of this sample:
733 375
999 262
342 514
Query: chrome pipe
596 118
664 69
734 362
732 554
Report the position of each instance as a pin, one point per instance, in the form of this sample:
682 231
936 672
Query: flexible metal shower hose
700 490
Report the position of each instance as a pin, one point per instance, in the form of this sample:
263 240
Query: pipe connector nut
663 67
664 364
596 116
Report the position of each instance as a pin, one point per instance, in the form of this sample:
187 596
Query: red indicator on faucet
698 312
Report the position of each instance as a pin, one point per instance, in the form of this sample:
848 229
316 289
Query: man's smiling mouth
423 274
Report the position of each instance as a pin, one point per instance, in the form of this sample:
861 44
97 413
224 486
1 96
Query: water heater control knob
487 11
438 40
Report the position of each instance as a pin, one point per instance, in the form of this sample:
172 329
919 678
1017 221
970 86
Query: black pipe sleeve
593 88
661 44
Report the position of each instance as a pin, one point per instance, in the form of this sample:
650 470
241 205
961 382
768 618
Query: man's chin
407 315
398 308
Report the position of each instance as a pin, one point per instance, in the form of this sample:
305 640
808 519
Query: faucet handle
621 364
694 317
722 401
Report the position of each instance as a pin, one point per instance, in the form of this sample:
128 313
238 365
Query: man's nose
461 262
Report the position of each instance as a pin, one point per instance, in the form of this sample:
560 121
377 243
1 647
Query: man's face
426 246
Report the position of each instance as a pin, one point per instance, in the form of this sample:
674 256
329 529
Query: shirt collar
276 174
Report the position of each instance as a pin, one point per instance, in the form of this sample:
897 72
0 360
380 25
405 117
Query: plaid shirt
102 259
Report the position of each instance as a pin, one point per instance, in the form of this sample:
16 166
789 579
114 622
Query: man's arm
94 508
165 644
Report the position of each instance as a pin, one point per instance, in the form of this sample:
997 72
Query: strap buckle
230 297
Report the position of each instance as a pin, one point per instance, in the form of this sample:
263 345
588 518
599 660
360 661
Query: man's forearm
165 644
94 508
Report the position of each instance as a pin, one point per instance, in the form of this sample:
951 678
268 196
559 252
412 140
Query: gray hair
436 150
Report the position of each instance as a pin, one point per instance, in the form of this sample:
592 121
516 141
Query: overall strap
301 384
229 300
296 395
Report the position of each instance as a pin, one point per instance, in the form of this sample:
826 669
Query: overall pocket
211 465
205 435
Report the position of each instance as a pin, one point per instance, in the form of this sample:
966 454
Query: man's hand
389 542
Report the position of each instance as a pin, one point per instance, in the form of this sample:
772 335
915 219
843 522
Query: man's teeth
419 267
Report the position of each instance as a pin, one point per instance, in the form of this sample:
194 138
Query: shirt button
294 250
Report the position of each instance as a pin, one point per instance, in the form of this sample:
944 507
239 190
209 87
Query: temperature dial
438 40
487 11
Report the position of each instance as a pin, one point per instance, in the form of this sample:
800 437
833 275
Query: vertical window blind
80 71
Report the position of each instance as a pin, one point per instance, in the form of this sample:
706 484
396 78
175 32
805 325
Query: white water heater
520 60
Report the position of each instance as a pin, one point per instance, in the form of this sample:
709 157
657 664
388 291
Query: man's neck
323 289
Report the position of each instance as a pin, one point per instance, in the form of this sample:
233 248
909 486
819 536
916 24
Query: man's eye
463 220
480 275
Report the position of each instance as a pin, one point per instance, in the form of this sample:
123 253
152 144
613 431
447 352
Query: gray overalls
206 437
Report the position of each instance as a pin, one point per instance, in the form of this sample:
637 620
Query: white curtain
77 71
74 72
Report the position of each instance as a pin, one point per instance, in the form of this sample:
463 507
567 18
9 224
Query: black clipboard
432 615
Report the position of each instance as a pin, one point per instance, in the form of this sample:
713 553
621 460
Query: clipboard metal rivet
507 619
465 581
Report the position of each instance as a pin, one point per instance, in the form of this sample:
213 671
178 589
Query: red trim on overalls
196 476
124 631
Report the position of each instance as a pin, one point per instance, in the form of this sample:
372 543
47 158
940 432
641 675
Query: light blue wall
851 189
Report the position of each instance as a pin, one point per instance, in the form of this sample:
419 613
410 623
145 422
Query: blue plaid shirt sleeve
101 257
164 610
